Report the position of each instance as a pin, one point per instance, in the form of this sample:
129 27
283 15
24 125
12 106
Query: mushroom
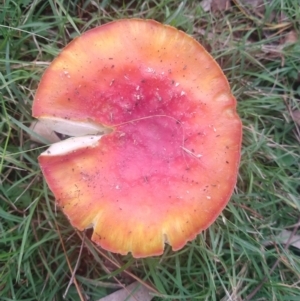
158 140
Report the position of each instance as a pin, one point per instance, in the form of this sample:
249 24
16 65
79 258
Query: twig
69 264
257 289
76 267
117 265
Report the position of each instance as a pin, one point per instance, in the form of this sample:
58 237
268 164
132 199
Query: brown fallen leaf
220 5
283 237
296 116
133 292
215 5
40 130
290 38
206 5
256 9
258 5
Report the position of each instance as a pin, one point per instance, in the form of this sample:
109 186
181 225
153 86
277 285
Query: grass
229 261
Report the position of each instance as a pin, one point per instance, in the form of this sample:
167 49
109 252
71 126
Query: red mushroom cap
166 162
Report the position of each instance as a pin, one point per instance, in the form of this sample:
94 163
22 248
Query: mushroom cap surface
159 141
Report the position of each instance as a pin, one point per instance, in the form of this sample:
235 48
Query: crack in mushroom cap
166 162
